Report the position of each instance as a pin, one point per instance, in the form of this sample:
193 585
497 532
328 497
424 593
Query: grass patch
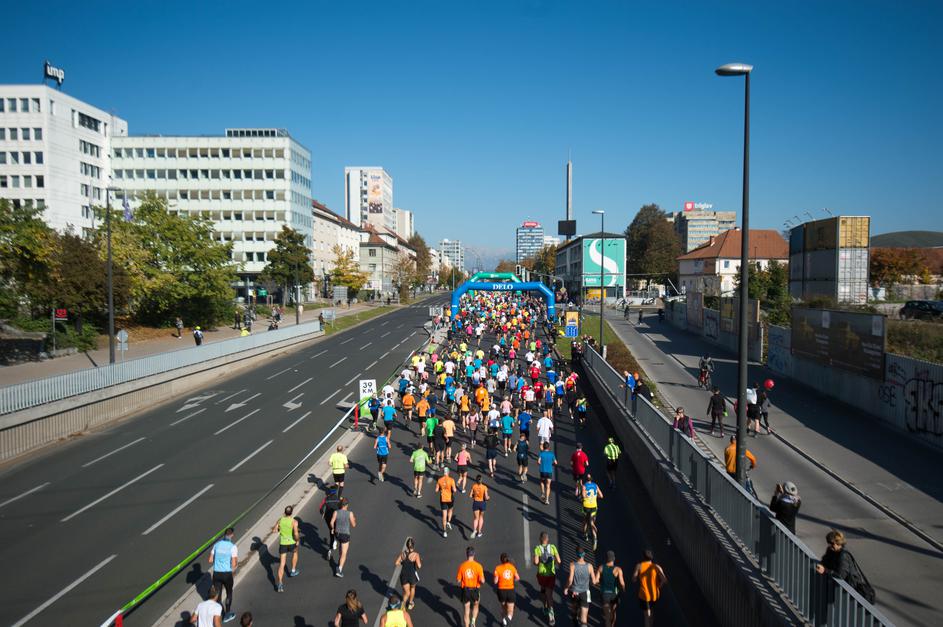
617 354
346 322
916 338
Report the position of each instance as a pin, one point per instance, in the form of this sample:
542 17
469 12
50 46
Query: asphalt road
387 514
906 571
86 526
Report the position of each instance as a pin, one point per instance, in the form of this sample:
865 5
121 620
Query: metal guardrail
822 600
41 391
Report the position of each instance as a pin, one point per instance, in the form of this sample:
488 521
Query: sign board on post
368 387
435 311
340 293
262 292
61 315
571 331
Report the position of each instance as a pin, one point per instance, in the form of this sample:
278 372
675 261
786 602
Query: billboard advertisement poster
375 192
572 319
853 341
612 262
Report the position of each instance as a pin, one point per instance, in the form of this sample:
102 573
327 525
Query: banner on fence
848 340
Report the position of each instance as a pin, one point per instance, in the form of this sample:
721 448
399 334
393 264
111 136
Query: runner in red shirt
578 462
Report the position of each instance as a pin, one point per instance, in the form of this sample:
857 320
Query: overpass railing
22 396
823 600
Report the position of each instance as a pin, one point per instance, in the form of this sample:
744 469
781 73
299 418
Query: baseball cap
790 488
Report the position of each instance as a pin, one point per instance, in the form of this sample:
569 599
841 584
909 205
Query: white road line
384 355
353 378
27 493
299 385
233 424
296 422
318 354
371 366
365 345
278 373
112 493
526 513
177 422
223 400
350 339
384 323
177 509
399 325
63 592
412 334
121 448
344 400
337 362
336 392
251 455
385 334
394 577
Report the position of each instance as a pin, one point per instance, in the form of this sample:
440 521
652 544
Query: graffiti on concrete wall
913 390
711 324
779 357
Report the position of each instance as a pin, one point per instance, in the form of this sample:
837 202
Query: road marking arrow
195 401
292 404
242 403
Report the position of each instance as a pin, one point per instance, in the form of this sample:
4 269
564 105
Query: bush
66 335
916 338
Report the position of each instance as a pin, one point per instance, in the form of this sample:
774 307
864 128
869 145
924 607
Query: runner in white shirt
407 374
209 613
388 391
450 367
529 357
545 429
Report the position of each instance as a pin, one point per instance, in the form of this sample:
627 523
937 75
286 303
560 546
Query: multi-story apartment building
368 197
529 239
330 230
54 153
405 224
454 252
249 182
380 253
696 226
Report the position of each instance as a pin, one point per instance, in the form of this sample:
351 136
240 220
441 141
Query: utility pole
111 292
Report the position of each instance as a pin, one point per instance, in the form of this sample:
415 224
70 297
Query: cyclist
611 584
505 576
706 368
591 493
546 559
409 562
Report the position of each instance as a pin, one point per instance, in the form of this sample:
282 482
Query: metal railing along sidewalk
41 391
822 600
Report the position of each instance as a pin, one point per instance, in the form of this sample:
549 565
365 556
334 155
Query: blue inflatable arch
510 286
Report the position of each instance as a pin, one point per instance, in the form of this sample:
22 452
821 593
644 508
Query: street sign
368 387
262 292
61 315
435 311
122 336
329 315
571 331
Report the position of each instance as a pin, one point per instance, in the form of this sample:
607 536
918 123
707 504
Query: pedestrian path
878 460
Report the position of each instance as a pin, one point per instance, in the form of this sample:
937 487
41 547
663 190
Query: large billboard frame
614 272
850 340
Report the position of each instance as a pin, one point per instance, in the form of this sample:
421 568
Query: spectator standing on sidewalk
717 409
730 457
764 405
785 504
178 323
683 423
641 389
841 564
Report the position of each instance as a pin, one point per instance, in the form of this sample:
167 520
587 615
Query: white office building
249 182
368 197
54 153
454 252
330 230
405 225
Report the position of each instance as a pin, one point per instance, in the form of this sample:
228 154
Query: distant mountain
908 239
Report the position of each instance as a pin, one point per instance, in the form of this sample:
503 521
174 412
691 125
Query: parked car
922 310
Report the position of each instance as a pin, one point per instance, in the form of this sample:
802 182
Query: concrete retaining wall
739 592
910 396
30 429
712 330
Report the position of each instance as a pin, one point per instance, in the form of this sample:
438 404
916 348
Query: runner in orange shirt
422 408
409 403
480 498
505 575
446 488
470 576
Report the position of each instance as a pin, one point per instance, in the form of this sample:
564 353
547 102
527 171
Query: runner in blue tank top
382 447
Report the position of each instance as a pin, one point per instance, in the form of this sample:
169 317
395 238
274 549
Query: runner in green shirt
612 453
419 458
431 423
546 558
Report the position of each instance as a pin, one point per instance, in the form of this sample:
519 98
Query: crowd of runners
469 404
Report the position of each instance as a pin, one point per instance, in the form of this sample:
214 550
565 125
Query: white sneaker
445 534
448 525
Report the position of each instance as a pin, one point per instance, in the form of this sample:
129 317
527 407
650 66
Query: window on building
27 158
24 132
40 181
250 256
38 158
24 105
225 153
89 122
40 203
151 153
3 133
36 105
726 263
119 174
11 105
27 181
270 194
372 253
15 158
3 158
3 182
37 134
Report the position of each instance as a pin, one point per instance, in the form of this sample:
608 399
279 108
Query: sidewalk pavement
880 461
29 371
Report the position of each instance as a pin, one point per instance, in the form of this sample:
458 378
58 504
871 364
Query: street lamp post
742 69
602 269
111 291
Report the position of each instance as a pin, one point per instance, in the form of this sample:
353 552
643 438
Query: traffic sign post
367 388
571 331
122 337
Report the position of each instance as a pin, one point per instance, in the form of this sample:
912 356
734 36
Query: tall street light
602 269
742 69
110 287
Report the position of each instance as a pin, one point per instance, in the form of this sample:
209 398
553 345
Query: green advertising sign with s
613 262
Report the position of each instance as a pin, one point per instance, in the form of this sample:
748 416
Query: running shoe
294 573
448 525
445 534
230 616
334 544
280 588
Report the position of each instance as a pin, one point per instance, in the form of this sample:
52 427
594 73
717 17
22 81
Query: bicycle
704 379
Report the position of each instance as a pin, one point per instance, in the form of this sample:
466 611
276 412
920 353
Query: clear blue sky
472 106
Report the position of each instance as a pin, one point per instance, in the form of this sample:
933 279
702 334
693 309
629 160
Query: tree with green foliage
82 280
175 265
770 286
289 263
423 263
346 272
404 272
543 261
652 247
27 260
506 265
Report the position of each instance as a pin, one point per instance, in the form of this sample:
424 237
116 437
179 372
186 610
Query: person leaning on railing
841 564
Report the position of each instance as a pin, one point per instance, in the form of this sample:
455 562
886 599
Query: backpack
858 581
